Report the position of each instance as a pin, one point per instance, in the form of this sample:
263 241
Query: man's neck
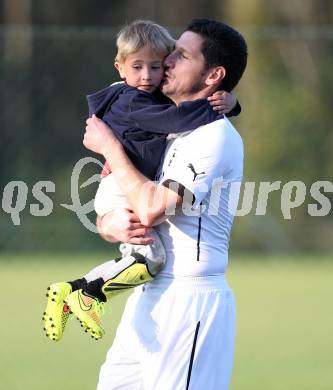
203 94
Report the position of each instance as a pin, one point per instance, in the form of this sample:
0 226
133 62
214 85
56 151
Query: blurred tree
286 96
287 93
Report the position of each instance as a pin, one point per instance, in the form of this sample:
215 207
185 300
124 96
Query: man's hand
123 225
222 101
99 137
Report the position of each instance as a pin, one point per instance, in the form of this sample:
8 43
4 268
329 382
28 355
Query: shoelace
99 307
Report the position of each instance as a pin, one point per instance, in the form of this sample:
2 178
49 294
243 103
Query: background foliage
54 52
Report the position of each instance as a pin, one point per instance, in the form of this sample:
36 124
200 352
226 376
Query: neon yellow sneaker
89 311
57 312
135 273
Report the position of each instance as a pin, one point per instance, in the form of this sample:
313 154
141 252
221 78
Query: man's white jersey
208 162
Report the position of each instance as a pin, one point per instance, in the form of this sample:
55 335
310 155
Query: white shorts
175 334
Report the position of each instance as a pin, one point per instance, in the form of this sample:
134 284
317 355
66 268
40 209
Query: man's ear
118 65
216 75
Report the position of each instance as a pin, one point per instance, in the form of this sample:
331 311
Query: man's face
185 73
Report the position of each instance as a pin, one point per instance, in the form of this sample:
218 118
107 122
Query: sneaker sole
53 314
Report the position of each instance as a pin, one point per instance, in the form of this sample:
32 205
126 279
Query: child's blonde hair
143 33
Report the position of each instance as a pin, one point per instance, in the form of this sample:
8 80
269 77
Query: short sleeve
209 156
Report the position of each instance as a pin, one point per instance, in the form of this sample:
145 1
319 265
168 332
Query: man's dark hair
222 46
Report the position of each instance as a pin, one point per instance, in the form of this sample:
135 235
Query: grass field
284 325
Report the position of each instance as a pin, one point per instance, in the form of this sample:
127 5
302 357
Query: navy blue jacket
141 121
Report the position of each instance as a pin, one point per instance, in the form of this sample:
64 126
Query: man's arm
148 200
106 235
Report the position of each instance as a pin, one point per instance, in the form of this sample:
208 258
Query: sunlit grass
284 325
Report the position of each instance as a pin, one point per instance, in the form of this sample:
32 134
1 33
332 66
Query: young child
141 117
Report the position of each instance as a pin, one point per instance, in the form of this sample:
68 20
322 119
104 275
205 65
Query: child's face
143 69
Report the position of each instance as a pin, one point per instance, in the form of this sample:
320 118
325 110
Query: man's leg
212 353
173 338
122 368
193 344
119 372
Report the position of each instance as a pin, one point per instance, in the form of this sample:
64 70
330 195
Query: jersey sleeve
208 162
151 116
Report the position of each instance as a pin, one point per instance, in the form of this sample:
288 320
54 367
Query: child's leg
123 272
138 265
154 253
120 274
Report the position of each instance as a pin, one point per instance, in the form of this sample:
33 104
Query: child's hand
222 101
